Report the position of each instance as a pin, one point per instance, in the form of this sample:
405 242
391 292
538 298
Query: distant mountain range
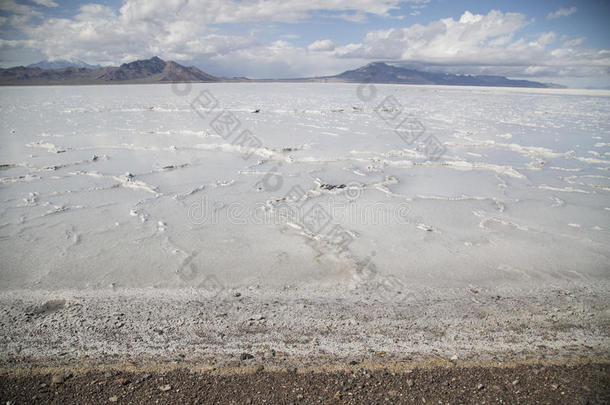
156 70
62 63
380 72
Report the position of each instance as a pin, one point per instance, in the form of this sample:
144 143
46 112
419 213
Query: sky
565 41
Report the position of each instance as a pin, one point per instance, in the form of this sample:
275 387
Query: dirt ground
565 383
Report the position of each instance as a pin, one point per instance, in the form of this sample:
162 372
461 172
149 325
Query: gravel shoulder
306 345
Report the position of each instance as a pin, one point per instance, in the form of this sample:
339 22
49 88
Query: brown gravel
578 383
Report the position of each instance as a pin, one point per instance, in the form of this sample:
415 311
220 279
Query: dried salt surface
300 327
126 200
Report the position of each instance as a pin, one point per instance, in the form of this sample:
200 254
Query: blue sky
566 42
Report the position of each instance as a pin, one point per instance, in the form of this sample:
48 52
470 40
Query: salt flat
382 192
138 186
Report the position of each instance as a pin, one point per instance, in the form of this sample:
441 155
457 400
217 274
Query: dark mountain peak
152 65
374 66
377 64
174 72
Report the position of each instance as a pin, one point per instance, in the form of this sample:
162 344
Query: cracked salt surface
136 190
155 160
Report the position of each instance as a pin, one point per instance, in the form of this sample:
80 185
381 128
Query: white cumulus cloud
46 3
562 12
477 43
321 45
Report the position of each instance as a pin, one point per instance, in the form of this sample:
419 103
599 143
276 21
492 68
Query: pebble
410 383
515 382
480 387
246 356
57 379
113 398
122 381
165 387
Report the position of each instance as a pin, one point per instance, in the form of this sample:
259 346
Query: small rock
353 363
107 374
410 383
57 379
516 382
554 386
237 294
122 381
50 306
165 387
480 387
113 398
246 356
454 357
